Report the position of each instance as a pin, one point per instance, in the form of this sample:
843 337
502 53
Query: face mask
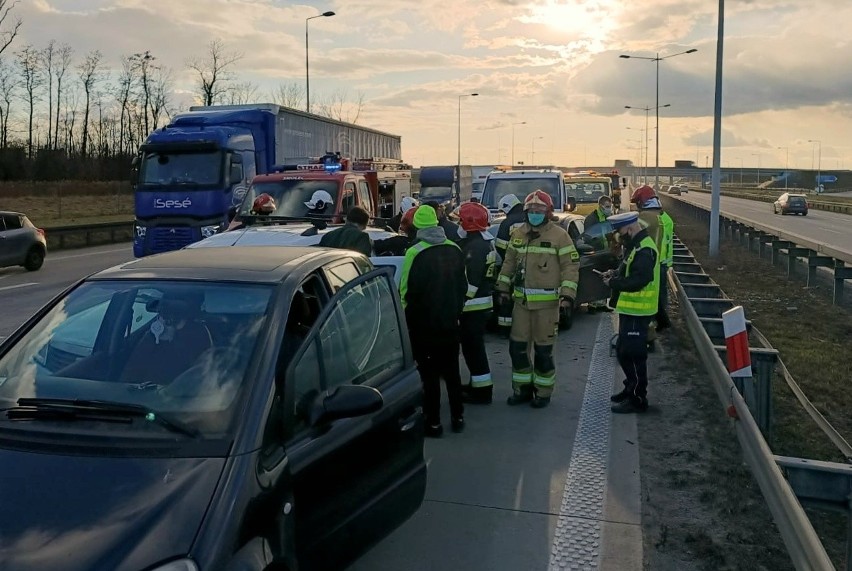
535 218
607 210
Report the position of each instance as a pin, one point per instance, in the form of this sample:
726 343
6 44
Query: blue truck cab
193 170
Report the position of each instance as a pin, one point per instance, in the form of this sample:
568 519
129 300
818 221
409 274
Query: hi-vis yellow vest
643 302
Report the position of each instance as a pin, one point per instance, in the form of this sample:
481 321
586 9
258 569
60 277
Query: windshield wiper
84 409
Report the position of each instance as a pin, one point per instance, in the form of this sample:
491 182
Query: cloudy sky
552 64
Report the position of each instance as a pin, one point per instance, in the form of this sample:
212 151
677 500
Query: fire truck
371 183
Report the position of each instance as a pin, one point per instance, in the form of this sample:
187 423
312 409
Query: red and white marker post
736 340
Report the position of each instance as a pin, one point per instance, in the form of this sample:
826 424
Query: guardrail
61 237
810 478
841 207
793 245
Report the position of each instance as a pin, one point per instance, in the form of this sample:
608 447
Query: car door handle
407 423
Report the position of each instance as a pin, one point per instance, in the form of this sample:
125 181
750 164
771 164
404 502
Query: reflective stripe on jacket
642 302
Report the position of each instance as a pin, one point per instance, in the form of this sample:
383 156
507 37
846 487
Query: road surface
830 228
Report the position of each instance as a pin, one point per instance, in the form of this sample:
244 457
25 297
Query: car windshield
497 188
186 169
598 235
180 348
435 192
290 196
797 200
587 192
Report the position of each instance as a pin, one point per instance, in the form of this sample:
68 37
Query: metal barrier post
816 261
794 252
841 273
778 245
763 361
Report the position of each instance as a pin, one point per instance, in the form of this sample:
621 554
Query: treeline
68 115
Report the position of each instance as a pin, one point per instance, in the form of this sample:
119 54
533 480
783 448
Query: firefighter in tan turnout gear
541 271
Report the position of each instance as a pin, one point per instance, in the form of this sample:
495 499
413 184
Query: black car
206 410
789 203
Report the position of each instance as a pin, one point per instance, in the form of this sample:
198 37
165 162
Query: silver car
21 243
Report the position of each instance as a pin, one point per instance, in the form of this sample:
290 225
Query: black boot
630 405
522 396
621 396
540 402
477 395
458 424
434 430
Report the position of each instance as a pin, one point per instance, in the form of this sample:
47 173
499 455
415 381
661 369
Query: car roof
262 264
532 173
12 212
797 194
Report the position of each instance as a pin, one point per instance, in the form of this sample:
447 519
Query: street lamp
786 166
657 60
307 72
513 140
657 138
645 130
758 167
458 162
532 159
819 163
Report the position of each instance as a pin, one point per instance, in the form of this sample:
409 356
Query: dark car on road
789 203
21 243
211 410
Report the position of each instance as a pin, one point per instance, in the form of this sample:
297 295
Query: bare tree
29 60
8 35
338 106
8 91
289 95
48 54
72 100
161 87
242 93
123 92
214 71
144 66
63 61
89 75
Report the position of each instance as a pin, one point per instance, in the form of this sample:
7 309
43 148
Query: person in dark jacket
397 245
451 229
599 214
407 203
433 288
480 258
352 235
513 208
635 287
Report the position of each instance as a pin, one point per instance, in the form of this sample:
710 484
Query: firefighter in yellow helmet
541 271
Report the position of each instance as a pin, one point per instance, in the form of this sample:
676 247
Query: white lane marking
833 231
17 286
576 543
56 258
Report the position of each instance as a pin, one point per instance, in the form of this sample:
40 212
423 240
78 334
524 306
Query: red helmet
263 204
406 224
473 217
539 197
643 193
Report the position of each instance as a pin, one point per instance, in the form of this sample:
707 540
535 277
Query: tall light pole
458 162
758 166
307 69
657 60
819 162
513 140
656 138
645 131
532 159
786 166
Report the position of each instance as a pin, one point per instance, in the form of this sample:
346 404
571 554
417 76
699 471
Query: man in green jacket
352 235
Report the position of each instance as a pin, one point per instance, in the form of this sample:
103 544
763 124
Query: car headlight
178 565
140 231
207 231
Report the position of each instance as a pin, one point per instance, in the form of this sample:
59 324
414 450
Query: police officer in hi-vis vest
635 285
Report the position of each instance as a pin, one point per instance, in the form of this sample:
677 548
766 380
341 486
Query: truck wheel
34 259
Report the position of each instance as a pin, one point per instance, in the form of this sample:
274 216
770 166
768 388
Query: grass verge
70 210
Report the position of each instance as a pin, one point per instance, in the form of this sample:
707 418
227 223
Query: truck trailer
191 172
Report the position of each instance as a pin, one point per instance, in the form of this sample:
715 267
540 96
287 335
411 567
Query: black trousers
438 357
473 347
632 352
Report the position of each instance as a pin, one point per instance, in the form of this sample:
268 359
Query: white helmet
508 202
407 204
319 200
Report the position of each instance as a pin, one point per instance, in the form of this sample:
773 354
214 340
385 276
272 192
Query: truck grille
167 239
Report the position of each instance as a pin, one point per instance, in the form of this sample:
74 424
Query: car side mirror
345 401
570 204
